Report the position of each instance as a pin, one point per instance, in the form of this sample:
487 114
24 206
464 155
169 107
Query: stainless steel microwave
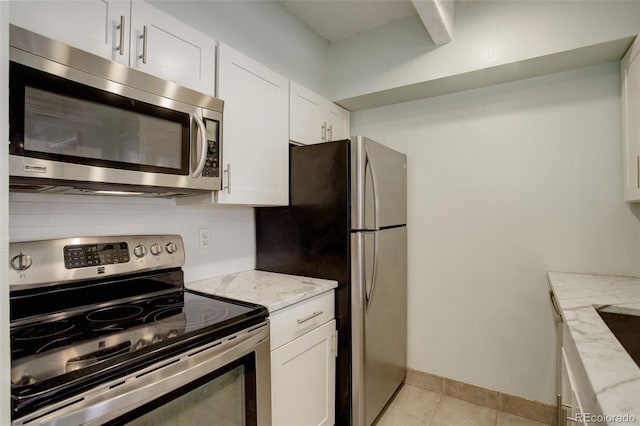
83 124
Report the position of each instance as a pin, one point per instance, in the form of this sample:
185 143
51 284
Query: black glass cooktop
140 323
118 326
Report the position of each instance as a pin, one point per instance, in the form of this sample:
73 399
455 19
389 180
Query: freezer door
379 319
379 185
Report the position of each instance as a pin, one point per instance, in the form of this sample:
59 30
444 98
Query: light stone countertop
614 376
271 290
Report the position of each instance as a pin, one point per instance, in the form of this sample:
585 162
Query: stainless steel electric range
104 332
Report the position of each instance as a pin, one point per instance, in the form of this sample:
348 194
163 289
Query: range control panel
79 256
46 262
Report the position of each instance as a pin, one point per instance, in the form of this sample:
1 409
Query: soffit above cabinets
535 67
336 20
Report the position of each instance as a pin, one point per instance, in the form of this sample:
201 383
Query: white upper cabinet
630 69
93 26
306 120
338 122
170 49
313 119
255 148
133 33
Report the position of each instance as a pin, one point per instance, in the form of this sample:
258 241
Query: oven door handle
202 131
113 399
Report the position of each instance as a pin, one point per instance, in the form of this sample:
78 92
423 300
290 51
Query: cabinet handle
310 317
559 410
566 417
324 132
638 171
228 172
330 133
121 29
555 307
144 45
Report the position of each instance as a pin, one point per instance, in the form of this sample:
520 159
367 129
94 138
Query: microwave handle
203 148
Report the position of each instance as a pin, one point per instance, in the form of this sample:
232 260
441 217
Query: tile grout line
544 413
435 410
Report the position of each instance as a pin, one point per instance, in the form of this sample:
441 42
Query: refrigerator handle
358 303
374 184
374 272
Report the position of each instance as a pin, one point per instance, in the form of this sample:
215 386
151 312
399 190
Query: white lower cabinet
578 402
303 363
572 411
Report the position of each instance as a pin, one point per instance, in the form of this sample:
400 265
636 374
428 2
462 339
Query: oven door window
57 119
224 397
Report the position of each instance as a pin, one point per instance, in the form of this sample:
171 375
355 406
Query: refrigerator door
379 319
378 185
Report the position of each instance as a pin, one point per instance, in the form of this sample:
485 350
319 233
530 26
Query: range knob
21 262
156 249
171 248
139 250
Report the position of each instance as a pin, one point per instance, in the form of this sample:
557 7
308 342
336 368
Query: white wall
505 184
232 246
5 358
485 34
264 30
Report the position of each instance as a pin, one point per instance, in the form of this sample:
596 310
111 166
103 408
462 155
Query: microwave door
82 121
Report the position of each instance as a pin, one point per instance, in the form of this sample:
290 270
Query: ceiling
337 20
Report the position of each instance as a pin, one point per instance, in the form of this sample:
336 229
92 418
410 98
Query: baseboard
532 410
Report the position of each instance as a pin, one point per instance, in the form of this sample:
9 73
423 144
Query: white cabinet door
305 115
572 406
255 147
93 26
165 47
338 122
313 119
630 69
303 379
171 49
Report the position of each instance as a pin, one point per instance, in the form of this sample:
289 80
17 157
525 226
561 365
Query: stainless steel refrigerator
346 220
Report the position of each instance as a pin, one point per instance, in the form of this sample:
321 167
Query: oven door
227 381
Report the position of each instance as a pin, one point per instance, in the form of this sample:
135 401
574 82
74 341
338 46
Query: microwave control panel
212 165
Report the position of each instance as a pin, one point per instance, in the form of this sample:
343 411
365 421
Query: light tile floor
414 406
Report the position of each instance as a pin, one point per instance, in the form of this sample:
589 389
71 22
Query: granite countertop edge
612 373
272 290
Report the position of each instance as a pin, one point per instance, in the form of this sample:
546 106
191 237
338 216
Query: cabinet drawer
296 320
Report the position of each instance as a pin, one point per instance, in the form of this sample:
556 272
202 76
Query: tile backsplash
231 229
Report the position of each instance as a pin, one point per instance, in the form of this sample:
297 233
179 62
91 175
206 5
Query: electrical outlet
204 238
